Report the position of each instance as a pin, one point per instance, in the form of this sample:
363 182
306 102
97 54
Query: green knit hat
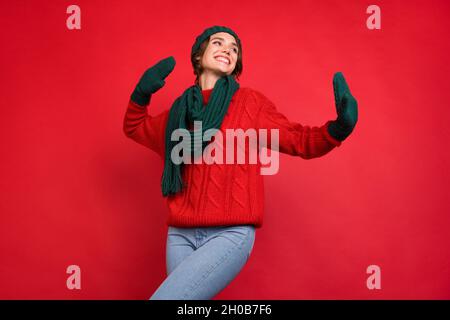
209 31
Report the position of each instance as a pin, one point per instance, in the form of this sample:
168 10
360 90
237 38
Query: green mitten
152 80
346 107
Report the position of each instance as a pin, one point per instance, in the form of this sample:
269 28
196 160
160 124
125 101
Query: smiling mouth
223 60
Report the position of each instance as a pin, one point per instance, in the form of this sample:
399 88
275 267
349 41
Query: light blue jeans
201 262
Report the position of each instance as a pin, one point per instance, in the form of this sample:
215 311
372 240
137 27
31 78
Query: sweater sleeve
145 129
294 139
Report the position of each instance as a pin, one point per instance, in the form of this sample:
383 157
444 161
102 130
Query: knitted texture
228 194
185 110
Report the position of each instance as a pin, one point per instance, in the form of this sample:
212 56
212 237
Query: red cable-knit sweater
227 194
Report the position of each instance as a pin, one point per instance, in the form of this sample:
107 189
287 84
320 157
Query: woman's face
221 54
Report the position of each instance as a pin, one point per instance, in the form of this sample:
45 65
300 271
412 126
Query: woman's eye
235 50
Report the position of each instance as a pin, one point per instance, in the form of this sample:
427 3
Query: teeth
223 60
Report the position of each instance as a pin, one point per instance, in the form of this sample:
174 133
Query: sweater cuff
327 135
137 105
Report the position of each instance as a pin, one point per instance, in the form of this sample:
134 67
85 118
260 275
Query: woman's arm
294 139
145 129
138 124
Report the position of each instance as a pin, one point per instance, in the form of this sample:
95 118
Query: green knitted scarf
185 110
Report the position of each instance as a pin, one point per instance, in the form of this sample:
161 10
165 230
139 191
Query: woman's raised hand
152 80
346 108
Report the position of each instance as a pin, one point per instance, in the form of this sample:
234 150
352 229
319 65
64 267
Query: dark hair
198 69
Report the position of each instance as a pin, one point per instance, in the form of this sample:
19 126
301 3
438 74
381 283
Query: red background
75 190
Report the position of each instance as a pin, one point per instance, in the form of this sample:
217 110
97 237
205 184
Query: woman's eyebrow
234 43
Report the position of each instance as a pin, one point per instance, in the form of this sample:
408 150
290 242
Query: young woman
215 208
